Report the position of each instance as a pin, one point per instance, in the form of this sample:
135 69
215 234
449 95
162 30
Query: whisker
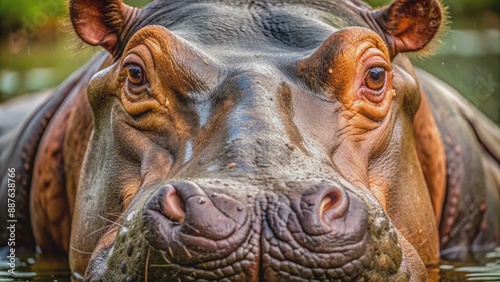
108 220
147 265
176 274
117 214
187 252
170 251
100 229
190 226
423 242
165 258
160 266
81 252
408 235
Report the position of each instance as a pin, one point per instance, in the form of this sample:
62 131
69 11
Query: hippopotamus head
254 141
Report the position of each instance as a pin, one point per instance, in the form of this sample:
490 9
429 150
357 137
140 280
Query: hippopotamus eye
375 78
136 75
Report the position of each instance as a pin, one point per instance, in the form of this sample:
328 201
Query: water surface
55 269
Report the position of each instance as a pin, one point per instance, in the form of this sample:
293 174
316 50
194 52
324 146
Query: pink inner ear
98 22
109 42
90 31
409 24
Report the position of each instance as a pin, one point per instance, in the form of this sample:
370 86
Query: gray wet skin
253 141
234 152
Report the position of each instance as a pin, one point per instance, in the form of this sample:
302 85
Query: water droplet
214 195
446 267
201 201
239 208
131 215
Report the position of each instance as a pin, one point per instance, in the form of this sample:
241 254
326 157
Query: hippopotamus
278 140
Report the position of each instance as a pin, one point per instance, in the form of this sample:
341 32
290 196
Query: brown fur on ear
408 25
436 42
100 22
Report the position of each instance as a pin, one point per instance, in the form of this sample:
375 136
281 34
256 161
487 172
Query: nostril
320 206
333 205
174 206
185 205
193 227
329 201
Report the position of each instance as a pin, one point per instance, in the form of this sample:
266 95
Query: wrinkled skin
257 142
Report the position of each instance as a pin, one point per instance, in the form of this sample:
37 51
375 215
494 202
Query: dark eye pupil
135 72
376 74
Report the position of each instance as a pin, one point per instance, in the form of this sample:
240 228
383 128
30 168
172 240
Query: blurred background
38 49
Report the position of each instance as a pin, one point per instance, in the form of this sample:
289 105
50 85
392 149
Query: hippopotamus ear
409 25
99 22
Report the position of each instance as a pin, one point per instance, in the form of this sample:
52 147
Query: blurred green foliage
15 14
36 50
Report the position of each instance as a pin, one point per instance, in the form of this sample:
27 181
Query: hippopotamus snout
196 229
218 229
